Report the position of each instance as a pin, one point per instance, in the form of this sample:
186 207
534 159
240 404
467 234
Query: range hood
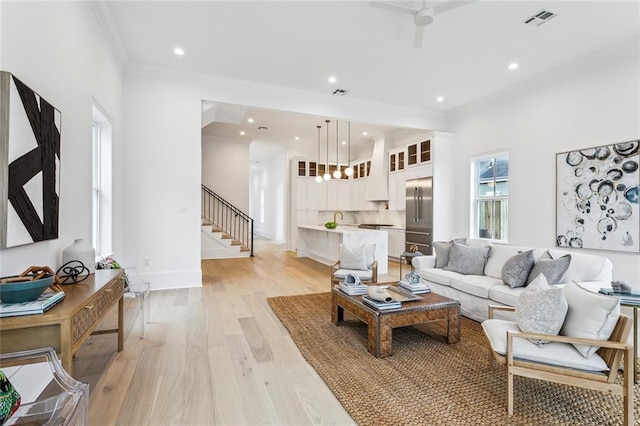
378 182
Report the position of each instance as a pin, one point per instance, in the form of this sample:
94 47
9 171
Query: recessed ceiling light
250 120
364 133
332 79
242 132
440 99
344 142
297 138
178 51
513 66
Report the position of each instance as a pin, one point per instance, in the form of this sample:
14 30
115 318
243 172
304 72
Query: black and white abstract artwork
29 164
597 198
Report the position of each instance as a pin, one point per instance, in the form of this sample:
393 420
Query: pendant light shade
327 175
318 177
336 173
349 170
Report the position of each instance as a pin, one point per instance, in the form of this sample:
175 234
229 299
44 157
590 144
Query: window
491 197
101 184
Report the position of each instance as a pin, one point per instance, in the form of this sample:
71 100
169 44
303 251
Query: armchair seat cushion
553 353
363 274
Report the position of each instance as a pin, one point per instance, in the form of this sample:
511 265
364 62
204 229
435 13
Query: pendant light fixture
337 174
349 170
327 175
318 177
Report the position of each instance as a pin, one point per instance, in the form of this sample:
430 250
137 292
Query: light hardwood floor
216 354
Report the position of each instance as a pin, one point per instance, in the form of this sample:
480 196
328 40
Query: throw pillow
553 269
517 268
353 257
590 315
541 309
442 253
467 260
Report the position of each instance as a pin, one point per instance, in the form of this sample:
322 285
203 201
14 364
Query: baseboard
173 279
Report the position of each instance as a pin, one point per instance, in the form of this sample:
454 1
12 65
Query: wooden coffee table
380 324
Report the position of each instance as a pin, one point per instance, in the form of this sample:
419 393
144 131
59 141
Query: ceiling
369 49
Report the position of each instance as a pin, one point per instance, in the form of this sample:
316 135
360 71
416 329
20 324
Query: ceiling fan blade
451 4
395 6
418 37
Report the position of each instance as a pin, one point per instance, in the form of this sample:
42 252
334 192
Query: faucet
336 214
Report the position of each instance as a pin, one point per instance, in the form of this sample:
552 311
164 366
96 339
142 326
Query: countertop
344 228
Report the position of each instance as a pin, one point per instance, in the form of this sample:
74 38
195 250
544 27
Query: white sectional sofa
477 292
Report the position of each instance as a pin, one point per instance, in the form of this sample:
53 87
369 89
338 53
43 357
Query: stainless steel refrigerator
419 211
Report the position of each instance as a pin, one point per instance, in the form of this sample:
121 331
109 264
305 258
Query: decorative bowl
24 291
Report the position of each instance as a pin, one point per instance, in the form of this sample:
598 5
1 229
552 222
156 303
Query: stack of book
632 298
43 303
353 289
417 288
394 304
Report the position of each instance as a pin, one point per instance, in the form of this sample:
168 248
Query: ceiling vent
340 92
263 128
539 18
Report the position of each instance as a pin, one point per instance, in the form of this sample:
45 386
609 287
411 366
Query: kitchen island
323 245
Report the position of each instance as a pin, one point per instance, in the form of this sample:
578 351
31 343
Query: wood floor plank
197 362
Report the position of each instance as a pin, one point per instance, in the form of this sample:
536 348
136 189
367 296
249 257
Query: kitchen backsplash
386 217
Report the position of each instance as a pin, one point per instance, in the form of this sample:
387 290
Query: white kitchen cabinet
339 195
397 191
310 195
359 195
396 242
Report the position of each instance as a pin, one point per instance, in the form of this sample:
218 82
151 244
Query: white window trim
105 203
473 206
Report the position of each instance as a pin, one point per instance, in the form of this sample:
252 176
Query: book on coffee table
631 298
394 304
353 290
415 288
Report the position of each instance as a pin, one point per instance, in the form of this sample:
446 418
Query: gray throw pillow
516 269
552 269
541 309
467 260
442 253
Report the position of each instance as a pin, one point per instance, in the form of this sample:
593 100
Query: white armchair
359 261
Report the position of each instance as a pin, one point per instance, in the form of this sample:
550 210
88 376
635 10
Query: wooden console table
67 325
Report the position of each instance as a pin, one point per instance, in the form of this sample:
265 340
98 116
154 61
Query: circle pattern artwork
597 198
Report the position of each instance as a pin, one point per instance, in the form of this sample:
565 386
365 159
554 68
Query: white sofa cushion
541 309
505 294
478 285
555 353
440 276
499 254
584 267
590 315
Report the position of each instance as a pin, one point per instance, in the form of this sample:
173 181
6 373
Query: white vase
82 252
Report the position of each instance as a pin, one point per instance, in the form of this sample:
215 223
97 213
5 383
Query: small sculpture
379 293
412 277
352 279
621 287
413 248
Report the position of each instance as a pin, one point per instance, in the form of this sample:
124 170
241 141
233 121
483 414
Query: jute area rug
426 381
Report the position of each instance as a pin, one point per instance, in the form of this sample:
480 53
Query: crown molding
103 15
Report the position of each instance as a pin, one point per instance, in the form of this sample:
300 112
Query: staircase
227 232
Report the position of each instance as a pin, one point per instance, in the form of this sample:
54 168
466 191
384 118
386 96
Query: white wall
59 50
596 106
269 177
225 169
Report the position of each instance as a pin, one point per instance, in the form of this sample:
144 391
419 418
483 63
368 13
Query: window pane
486 180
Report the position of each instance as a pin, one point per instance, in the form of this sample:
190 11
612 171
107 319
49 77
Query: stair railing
227 218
